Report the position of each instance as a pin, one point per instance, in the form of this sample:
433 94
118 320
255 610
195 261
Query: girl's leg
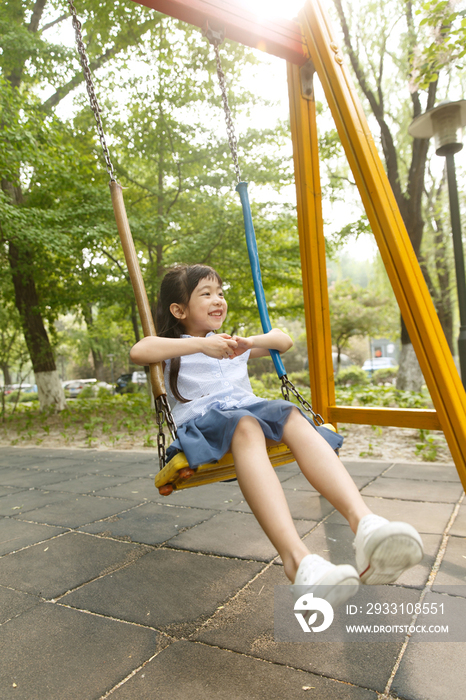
264 494
323 469
383 549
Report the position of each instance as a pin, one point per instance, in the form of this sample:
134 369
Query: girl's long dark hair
176 288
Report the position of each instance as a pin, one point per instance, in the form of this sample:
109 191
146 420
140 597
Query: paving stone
8 490
417 576
332 542
79 510
365 467
300 483
246 625
15 534
51 568
89 483
13 603
136 489
133 470
425 517
303 505
53 653
452 570
413 490
431 671
151 523
232 534
423 472
459 526
216 496
170 590
30 478
191 670
24 501
19 458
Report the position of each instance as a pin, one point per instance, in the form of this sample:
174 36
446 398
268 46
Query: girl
216 411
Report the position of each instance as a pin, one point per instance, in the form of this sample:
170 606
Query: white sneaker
385 549
336 584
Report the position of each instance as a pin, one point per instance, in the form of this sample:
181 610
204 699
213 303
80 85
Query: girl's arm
157 349
261 344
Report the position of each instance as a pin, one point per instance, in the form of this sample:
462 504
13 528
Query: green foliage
349 376
445 39
21 396
387 374
427 446
355 311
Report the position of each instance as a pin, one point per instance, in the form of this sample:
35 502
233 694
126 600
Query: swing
177 474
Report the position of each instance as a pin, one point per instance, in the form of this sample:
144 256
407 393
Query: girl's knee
247 428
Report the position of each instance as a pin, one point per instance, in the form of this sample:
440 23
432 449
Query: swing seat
177 474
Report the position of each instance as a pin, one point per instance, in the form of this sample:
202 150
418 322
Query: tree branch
55 21
76 80
36 15
388 145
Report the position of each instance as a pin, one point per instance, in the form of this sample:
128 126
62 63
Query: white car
74 387
378 363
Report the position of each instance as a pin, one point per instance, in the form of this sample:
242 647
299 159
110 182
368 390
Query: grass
128 421
106 420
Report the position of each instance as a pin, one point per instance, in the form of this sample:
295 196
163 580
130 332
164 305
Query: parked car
378 363
23 387
138 377
74 387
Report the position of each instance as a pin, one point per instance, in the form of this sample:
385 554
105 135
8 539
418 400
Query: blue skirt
207 438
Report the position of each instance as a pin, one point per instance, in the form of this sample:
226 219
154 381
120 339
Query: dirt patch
361 441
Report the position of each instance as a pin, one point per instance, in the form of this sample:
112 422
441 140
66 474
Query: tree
393 53
355 311
59 238
32 139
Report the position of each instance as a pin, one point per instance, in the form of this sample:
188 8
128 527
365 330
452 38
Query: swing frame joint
214 31
306 73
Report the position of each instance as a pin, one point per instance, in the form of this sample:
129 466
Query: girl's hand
221 346
242 345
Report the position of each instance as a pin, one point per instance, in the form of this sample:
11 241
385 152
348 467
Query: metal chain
287 386
163 413
230 127
90 89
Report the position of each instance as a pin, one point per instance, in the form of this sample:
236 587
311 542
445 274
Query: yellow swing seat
177 474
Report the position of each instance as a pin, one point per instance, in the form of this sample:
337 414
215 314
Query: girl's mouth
216 313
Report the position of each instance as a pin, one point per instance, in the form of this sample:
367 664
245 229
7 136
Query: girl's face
206 310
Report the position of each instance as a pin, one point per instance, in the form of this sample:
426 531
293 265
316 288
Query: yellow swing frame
310 46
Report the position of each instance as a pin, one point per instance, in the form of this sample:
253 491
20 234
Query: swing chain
287 386
162 413
90 89
229 122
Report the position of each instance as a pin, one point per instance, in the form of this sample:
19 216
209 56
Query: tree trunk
409 376
35 334
50 390
6 374
97 360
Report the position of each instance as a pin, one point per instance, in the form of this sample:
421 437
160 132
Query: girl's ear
177 311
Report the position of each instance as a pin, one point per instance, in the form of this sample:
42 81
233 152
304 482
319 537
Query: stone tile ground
108 590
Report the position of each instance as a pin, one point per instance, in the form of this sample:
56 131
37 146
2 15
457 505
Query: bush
86 393
387 374
349 376
24 396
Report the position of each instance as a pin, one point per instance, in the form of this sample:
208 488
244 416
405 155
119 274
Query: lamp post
110 357
445 122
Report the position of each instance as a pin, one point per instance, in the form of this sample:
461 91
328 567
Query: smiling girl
216 411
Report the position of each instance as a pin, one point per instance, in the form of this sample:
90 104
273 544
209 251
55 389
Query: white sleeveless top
210 383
